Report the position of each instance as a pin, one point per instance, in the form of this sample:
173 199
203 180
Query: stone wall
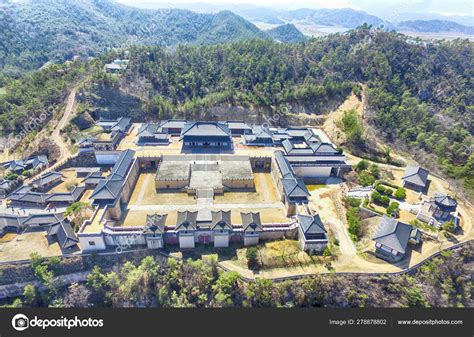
261 164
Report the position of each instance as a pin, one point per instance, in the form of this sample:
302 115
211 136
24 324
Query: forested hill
287 33
35 32
420 95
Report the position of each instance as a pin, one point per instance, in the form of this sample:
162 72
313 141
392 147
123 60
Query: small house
252 227
149 134
172 127
186 226
154 230
415 178
221 228
312 235
239 128
391 239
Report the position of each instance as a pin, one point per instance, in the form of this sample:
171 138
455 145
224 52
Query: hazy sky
378 7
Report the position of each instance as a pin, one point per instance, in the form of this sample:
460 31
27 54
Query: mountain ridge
58 30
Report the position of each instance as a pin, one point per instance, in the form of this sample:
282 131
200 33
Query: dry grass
406 216
280 254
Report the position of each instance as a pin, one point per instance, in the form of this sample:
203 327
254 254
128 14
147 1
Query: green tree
400 193
252 258
259 293
353 127
362 165
30 294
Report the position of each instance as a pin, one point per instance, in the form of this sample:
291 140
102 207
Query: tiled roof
221 220
393 234
251 221
238 125
111 187
47 178
311 224
155 223
213 129
445 201
295 188
65 234
43 219
186 221
416 175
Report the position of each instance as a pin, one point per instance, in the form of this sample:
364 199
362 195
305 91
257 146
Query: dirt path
56 135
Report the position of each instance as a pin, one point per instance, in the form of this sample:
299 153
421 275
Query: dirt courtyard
265 191
69 181
145 193
19 247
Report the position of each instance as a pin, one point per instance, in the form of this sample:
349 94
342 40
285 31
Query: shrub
393 209
388 192
327 252
11 176
362 165
375 171
375 197
365 178
75 207
379 188
354 221
252 258
449 226
353 127
352 202
385 201
400 193
27 173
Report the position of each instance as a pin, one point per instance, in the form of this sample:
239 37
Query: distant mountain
345 17
464 20
36 32
287 33
434 26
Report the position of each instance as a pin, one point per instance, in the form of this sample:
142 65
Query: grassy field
3 91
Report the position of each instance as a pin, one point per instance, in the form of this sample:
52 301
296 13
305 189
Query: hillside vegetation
419 95
41 31
444 281
286 33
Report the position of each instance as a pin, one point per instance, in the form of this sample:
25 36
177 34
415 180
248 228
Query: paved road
16 289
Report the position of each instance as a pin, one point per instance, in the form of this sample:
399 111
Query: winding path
56 135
